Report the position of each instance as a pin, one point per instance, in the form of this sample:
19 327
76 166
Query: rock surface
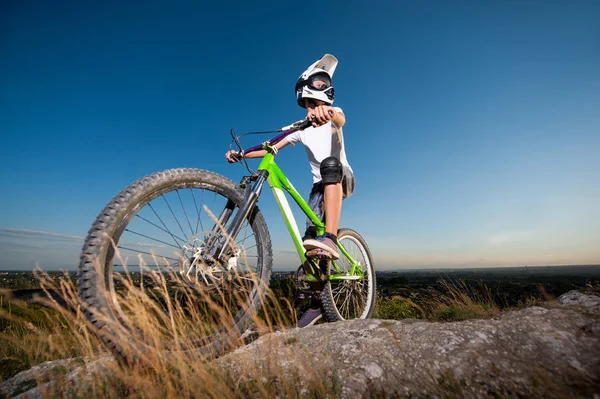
26 381
533 352
25 384
580 300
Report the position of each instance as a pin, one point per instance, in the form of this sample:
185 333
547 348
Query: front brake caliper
232 262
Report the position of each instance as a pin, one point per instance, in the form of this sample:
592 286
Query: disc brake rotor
193 265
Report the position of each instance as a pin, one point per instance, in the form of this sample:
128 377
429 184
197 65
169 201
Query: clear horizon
391 269
472 128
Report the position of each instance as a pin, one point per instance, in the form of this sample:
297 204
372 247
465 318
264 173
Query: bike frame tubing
278 183
253 194
245 209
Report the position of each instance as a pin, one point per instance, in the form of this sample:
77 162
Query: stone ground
551 351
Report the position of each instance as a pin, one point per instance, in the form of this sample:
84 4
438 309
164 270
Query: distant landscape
507 286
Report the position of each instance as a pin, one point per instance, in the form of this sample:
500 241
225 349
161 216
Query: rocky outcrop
534 352
576 299
25 384
26 381
544 352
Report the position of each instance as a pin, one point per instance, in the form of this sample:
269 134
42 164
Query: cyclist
333 178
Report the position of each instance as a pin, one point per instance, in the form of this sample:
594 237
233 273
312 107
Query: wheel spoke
337 292
145 253
158 227
172 213
150 238
344 304
165 226
198 210
185 212
246 236
247 248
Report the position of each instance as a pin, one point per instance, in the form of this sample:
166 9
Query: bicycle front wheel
347 299
148 279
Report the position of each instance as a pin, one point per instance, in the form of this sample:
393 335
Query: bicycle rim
157 278
351 299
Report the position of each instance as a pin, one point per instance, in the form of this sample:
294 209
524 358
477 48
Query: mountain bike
204 231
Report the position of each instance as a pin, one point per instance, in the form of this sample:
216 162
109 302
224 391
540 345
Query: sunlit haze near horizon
473 128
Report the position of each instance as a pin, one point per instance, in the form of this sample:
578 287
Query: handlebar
286 131
304 124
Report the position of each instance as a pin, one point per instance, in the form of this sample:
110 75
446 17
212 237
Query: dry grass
592 288
172 328
165 328
397 308
31 334
171 317
457 300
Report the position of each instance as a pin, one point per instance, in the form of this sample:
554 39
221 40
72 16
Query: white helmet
322 71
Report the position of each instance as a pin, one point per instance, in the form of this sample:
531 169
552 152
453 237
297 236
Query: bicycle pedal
318 253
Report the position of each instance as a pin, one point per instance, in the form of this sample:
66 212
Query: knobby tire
96 286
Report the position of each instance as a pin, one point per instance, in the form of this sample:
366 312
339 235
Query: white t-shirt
321 142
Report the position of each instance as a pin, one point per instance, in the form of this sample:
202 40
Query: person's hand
233 156
321 114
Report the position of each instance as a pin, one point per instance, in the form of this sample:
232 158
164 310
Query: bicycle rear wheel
147 281
350 299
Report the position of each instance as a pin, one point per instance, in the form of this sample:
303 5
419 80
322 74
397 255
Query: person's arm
254 154
325 113
262 153
339 119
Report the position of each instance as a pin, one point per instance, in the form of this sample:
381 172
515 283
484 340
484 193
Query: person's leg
334 194
315 201
333 207
325 246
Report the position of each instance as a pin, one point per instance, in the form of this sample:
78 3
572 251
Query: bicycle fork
221 246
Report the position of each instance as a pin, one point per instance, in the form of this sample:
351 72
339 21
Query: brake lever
237 156
236 140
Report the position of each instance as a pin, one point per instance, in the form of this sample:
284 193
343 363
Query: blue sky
473 128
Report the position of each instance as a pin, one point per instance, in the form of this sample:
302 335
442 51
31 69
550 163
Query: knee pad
331 170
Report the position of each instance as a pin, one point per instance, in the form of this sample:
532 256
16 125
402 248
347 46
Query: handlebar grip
238 156
308 122
304 124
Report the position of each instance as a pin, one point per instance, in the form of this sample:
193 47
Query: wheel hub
198 268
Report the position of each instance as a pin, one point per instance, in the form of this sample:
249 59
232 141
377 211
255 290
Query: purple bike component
273 141
301 125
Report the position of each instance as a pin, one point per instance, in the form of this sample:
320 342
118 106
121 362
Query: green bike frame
279 183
